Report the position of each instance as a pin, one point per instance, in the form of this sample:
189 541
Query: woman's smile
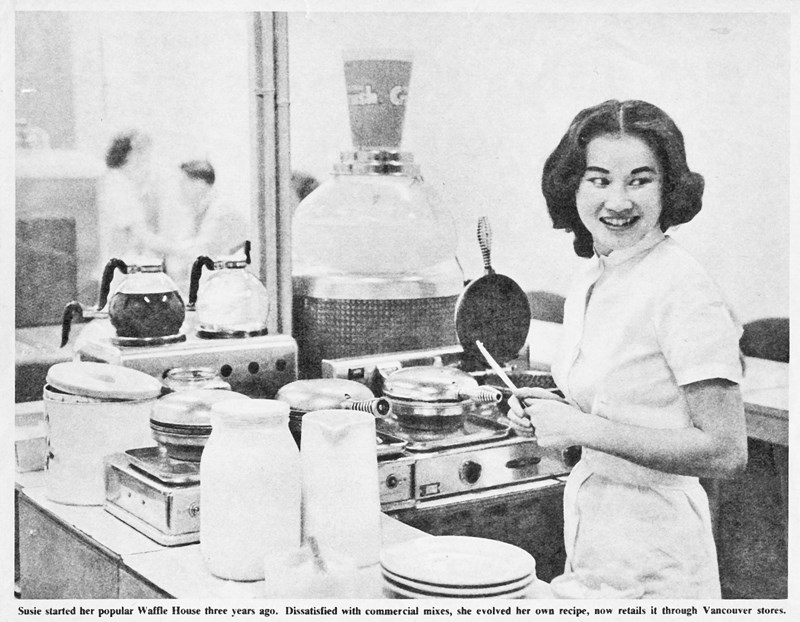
617 222
619 195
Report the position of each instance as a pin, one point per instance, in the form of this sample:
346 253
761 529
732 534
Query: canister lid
103 380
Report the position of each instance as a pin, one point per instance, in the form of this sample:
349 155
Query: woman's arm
716 445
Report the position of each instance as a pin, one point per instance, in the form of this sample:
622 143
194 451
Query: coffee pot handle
72 309
108 275
194 281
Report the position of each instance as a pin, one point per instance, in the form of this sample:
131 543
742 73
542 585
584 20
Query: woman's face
619 195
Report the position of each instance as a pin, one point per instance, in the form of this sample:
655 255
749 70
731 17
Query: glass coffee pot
144 308
234 303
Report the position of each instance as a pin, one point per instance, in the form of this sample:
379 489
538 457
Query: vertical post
285 194
271 204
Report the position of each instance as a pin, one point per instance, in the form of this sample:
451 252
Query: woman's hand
715 445
554 421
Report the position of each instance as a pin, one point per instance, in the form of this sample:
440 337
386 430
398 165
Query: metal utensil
495 366
570 455
501 374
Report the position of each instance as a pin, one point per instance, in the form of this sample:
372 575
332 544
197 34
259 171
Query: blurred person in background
303 184
212 228
132 201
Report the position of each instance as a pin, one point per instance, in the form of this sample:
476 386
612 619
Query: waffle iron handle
378 406
485 242
482 394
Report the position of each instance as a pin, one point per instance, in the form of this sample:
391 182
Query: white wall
491 94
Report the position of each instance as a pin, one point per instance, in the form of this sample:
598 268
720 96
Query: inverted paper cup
377 89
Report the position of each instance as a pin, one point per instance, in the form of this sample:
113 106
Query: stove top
482 456
160 496
474 430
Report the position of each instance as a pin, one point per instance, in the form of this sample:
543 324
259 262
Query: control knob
470 472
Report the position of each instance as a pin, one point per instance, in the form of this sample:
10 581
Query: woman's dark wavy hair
681 189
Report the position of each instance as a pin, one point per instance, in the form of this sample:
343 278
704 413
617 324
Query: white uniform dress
640 323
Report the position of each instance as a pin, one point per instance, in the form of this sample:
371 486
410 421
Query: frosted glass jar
249 488
374 265
341 496
376 226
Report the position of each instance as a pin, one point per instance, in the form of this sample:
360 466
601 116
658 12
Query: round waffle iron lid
190 408
322 393
428 383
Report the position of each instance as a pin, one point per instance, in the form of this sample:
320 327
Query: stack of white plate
457 567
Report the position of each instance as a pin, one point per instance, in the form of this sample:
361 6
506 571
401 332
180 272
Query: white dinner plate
409 593
420 585
458 561
452 592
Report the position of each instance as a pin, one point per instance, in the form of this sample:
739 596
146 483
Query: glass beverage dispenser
374 257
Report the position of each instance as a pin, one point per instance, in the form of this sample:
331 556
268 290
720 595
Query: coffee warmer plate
256 366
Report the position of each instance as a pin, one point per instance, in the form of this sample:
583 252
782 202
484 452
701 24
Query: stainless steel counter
84 552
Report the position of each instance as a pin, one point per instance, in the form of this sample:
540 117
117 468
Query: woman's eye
641 181
598 182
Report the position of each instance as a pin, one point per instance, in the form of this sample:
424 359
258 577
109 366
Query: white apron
623 357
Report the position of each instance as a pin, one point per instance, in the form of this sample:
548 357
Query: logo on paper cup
362 96
398 95
365 96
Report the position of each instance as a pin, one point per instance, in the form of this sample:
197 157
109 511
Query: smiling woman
649 360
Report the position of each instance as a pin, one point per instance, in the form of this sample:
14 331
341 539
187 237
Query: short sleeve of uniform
697 331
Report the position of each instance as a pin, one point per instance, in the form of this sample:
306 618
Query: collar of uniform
615 258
